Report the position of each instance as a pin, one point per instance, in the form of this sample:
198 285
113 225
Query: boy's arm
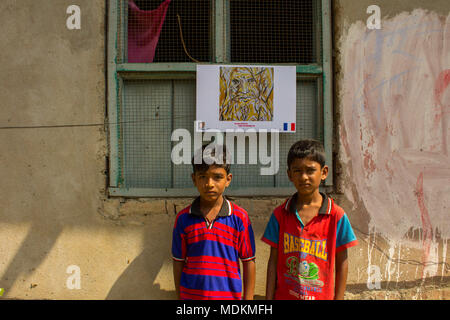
249 279
271 281
177 270
341 274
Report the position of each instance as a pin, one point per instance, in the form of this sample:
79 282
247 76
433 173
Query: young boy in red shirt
309 234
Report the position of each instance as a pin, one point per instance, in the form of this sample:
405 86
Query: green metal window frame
117 72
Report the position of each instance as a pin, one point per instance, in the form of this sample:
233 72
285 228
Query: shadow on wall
30 255
137 282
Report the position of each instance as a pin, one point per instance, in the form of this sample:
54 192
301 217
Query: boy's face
211 183
306 175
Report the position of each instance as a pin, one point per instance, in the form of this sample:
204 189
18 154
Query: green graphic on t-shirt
304 272
308 270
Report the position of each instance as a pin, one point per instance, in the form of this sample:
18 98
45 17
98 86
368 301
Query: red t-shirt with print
306 253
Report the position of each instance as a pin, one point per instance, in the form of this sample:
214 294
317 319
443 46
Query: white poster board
244 97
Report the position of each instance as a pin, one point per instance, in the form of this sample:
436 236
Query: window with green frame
148 101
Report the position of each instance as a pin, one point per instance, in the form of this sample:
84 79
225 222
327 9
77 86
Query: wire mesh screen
146 129
281 31
152 109
259 31
254 31
165 31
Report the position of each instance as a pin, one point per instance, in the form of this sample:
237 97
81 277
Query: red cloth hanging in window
144 27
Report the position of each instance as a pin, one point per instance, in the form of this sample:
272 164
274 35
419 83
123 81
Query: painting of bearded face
246 94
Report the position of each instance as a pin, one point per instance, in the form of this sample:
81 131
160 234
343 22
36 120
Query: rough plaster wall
393 104
52 178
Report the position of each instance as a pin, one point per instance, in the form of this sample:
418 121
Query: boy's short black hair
307 149
211 155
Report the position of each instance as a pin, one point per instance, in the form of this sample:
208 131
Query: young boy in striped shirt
211 235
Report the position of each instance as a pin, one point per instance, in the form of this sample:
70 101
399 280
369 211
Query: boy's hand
271 281
341 266
177 270
249 279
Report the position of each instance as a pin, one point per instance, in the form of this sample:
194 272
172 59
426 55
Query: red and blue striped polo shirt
211 252
306 253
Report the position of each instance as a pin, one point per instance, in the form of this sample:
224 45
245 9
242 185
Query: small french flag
289 126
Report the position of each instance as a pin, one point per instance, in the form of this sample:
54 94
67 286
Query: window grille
148 100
